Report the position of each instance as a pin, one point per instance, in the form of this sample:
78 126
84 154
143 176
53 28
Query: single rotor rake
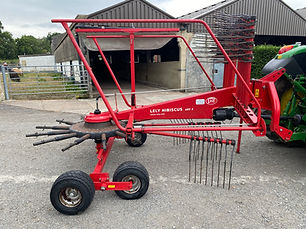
210 154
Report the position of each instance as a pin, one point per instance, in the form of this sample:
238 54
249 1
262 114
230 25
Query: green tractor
291 89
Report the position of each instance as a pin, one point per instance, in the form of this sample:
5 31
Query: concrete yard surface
268 185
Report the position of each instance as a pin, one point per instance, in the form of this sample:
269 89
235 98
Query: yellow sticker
111 186
279 57
256 93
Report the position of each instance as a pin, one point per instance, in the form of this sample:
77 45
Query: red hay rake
210 155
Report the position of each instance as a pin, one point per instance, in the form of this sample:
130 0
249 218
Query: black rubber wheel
72 192
139 140
135 172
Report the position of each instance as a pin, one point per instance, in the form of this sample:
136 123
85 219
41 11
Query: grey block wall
194 75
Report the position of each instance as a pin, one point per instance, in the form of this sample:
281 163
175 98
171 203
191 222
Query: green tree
28 45
45 46
7 46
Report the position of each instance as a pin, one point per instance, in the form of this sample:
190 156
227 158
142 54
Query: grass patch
42 85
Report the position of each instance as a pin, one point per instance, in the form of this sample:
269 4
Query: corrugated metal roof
58 39
206 10
128 9
274 17
302 12
120 4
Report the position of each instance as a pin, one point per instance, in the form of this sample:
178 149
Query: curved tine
189 158
196 160
201 165
187 133
207 153
183 132
212 163
219 163
179 132
231 167
173 138
49 133
224 168
60 138
194 150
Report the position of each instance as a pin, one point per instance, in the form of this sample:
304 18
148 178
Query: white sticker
200 101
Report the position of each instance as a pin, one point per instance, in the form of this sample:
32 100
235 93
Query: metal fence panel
24 82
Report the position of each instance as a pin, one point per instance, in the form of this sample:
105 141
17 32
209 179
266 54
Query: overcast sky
33 17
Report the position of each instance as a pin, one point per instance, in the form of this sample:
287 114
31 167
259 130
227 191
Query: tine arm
48 133
60 138
76 142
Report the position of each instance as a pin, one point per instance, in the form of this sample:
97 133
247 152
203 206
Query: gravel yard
268 185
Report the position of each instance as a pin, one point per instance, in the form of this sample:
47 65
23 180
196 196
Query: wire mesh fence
24 82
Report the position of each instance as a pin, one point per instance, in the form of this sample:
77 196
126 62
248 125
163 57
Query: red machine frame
244 97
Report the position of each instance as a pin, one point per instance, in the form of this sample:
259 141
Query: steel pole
5 83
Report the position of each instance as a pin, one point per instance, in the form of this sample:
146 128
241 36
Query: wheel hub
70 197
136 183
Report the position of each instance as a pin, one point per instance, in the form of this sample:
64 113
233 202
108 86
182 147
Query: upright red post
229 75
245 70
132 54
244 67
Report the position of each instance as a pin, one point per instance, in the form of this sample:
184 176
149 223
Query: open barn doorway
153 67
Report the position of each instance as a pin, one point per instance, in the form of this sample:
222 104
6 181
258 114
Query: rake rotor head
80 130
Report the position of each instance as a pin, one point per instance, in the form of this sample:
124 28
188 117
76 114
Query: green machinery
291 89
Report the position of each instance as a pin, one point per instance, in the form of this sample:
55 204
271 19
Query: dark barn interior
119 62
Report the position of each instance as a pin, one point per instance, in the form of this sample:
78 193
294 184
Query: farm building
167 62
276 22
31 63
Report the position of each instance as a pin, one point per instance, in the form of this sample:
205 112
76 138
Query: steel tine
220 134
180 132
207 153
211 151
189 132
201 165
177 132
219 163
179 140
173 138
231 167
212 164
59 138
184 139
194 148
224 168
217 144
190 149
183 132
196 160
48 133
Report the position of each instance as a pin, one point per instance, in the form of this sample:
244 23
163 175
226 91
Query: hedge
262 55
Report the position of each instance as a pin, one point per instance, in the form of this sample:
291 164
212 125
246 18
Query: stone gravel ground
268 186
